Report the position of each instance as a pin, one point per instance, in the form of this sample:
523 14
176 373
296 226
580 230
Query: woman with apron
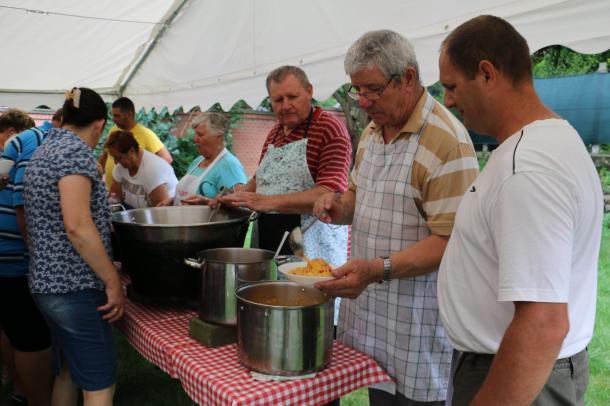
216 168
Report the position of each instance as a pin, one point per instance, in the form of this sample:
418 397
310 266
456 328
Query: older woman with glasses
215 169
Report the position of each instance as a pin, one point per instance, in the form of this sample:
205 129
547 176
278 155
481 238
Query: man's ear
309 90
488 72
410 77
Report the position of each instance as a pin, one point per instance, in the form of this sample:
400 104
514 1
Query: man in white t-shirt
517 284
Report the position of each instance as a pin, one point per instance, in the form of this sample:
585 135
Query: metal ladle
221 192
295 239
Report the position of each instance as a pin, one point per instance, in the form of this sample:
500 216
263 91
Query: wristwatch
387 269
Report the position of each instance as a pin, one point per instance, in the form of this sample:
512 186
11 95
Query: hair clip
73 95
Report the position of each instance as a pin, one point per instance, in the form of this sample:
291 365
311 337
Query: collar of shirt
300 129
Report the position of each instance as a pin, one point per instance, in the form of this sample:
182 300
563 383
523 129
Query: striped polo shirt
445 162
13 252
329 148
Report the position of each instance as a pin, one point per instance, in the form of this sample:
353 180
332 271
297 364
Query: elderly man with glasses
414 162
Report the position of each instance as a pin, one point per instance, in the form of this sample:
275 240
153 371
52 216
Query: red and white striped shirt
329 148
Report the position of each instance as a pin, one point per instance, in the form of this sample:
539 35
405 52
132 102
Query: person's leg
86 341
9 375
470 372
34 371
379 397
99 397
7 358
29 336
65 392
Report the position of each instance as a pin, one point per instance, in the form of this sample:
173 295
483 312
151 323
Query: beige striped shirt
445 162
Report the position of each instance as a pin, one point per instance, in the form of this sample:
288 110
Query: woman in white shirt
141 179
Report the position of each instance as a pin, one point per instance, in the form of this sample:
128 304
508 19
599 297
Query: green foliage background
183 149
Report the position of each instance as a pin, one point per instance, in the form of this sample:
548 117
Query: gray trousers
566 385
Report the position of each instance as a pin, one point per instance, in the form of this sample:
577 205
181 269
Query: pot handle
253 216
194 263
117 207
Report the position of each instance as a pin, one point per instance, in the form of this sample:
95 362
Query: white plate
5 166
301 279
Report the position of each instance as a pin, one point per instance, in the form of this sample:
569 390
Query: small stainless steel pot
283 328
223 271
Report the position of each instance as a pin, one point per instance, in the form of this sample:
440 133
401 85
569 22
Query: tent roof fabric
197 52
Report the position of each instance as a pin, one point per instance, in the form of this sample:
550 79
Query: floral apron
285 170
396 323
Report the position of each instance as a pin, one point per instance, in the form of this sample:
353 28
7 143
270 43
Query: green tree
557 60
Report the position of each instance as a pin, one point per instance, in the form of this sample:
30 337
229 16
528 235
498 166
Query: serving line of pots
282 328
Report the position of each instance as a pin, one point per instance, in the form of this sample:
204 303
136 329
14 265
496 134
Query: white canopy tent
197 52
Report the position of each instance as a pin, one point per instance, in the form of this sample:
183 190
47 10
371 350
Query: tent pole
171 15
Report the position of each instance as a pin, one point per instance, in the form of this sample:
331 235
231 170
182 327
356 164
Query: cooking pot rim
117 219
239 290
215 261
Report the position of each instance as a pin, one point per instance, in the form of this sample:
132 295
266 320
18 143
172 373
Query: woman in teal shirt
214 169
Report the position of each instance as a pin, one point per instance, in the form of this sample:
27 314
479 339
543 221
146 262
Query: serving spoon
221 192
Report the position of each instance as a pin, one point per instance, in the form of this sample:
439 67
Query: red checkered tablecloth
214 376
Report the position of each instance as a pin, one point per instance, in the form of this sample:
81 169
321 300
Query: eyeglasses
372 94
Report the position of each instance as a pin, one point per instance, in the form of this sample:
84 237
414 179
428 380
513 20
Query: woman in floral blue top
71 276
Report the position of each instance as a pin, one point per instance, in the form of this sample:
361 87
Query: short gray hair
279 74
216 123
388 50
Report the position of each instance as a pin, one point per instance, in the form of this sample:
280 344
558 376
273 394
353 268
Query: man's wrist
386 269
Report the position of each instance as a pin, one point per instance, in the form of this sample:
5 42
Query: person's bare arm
290 203
248 187
335 208
158 194
116 190
526 356
103 158
164 153
195 200
21 221
75 200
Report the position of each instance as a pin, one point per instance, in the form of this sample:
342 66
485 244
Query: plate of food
307 273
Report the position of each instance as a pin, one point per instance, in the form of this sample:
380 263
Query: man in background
124 117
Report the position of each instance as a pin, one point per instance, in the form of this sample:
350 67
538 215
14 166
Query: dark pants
379 397
566 385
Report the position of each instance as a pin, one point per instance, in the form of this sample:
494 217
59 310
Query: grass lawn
141 383
598 392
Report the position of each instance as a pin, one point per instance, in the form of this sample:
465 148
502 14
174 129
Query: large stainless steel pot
154 242
223 271
283 328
